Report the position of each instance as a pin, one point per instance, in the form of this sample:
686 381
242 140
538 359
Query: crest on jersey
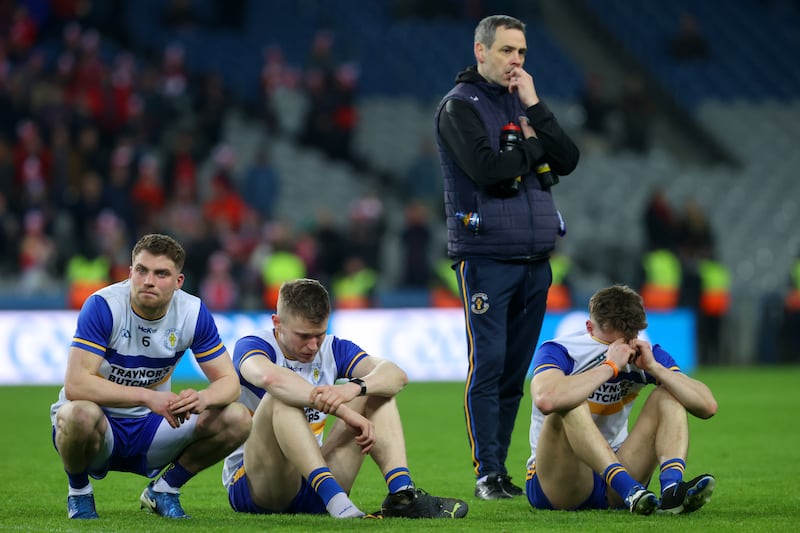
316 372
171 338
479 303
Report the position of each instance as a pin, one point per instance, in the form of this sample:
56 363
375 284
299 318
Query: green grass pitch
752 446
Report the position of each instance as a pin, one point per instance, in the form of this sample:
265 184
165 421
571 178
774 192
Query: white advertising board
429 344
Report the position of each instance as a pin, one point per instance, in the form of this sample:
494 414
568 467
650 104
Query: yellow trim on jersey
247 355
212 350
547 366
317 427
601 341
607 409
356 359
88 343
165 379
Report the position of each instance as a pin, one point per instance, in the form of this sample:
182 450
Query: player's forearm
386 379
562 393
105 393
347 415
222 391
694 395
285 386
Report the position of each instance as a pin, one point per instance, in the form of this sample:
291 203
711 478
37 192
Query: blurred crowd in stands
103 140
101 143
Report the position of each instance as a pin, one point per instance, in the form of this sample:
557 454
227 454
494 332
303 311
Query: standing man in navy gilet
501 227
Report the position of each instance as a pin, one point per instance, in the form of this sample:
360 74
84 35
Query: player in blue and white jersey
117 411
583 390
293 376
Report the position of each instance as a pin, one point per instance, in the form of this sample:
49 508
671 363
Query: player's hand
360 426
620 353
328 398
522 83
188 401
644 358
160 403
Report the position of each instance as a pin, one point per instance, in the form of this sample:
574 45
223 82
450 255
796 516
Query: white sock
80 492
340 506
163 486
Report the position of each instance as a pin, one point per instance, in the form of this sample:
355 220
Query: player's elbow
69 392
74 390
544 397
708 410
402 379
544 402
399 376
270 380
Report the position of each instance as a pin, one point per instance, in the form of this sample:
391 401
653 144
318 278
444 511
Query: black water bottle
510 137
546 176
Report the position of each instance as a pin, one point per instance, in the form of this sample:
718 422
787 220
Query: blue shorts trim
536 497
305 502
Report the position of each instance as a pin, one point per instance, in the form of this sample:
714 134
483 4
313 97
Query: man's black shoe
491 488
510 488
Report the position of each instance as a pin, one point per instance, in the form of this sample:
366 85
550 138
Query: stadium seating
754 46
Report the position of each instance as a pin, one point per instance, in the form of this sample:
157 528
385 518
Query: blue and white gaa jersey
138 352
335 360
612 402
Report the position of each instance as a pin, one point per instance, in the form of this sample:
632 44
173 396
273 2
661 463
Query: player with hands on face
117 411
584 385
293 376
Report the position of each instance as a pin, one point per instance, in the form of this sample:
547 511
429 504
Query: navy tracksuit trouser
504 306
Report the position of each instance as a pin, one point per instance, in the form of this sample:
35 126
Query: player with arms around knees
117 411
293 376
583 390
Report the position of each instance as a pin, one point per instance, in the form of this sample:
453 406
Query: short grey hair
487 28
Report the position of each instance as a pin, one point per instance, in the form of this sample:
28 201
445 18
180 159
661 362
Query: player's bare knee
79 418
231 424
367 405
664 399
238 421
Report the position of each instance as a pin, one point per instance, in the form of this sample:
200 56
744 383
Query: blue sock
78 481
324 484
176 475
619 479
671 473
398 479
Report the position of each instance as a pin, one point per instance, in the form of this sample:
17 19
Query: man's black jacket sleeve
466 140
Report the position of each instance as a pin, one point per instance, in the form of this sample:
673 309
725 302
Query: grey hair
487 28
